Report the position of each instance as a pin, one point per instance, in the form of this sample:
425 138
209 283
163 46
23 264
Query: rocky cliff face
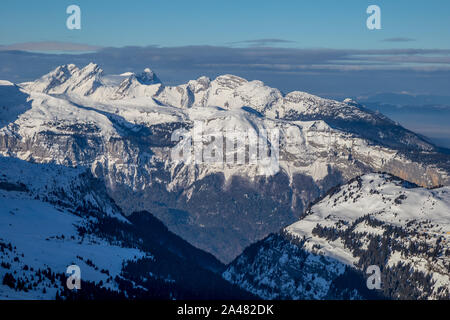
125 128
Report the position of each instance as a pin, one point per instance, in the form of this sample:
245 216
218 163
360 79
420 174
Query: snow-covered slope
43 207
52 217
121 127
375 219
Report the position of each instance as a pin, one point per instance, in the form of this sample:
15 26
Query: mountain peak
230 81
6 83
91 69
350 101
70 68
54 78
148 77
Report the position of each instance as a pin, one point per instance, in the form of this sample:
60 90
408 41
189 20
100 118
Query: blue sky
321 46
309 24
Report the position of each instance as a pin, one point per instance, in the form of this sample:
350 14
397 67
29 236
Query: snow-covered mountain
42 208
121 127
53 216
376 220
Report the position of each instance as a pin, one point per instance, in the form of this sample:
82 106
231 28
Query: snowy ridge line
374 220
70 100
379 205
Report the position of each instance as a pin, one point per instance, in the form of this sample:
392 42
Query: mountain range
86 163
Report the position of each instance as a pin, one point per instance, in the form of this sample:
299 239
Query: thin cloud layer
399 39
329 72
283 59
262 42
50 46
